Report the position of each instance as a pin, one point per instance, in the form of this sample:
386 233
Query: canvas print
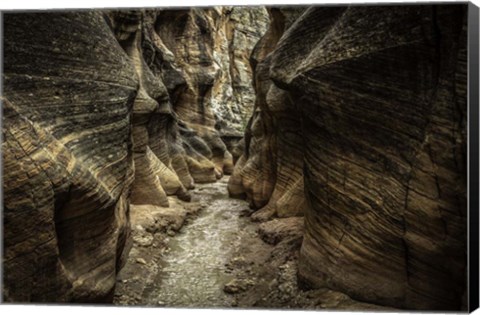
260 157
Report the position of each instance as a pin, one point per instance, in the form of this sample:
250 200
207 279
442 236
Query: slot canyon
253 157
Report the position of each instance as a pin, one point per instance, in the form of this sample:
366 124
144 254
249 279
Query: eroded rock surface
103 110
68 163
210 49
377 100
359 124
265 271
269 174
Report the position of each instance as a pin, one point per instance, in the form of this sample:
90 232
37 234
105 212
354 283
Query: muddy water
194 271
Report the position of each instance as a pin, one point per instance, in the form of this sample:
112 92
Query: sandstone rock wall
359 123
237 31
269 174
103 110
67 154
210 49
380 94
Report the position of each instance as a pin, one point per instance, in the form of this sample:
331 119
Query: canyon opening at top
292 157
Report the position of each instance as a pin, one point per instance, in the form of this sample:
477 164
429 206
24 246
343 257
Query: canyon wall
209 48
269 173
373 102
358 123
67 156
103 110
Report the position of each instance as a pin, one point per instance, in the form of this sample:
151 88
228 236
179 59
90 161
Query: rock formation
269 173
67 154
358 124
380 96
104 109
210 49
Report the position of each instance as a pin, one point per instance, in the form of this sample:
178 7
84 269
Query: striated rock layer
380 96
103 110
210 49
67 154
269 174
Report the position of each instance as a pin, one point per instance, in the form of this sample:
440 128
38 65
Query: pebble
237 285
143 240
141 261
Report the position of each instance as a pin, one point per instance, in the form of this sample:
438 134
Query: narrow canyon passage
208 253
194 264
347 135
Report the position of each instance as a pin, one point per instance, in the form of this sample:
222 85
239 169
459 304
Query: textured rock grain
270 172
210 49
359 124
67 156
380 94
104 109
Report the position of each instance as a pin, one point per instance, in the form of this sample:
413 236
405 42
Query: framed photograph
271 156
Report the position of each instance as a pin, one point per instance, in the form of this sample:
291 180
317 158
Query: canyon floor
209 253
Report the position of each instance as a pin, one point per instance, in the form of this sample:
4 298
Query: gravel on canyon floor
208 253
